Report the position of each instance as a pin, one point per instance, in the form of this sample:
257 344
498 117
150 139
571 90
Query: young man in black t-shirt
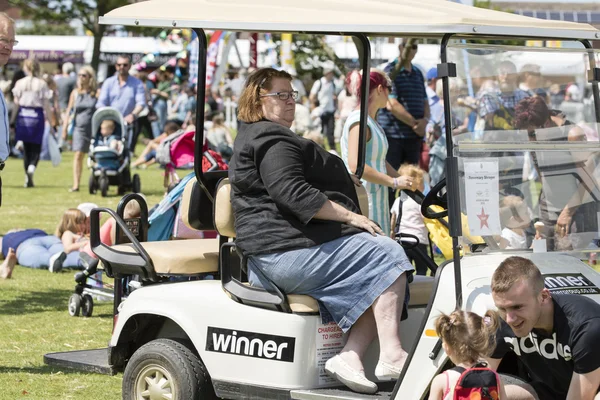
555 336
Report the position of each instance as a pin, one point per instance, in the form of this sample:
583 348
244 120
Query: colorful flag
287 57
211 56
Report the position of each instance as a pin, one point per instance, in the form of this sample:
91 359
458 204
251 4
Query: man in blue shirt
125 93
7 41
407 113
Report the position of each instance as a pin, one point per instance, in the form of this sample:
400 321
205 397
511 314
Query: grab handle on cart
436 350
270 297
120 262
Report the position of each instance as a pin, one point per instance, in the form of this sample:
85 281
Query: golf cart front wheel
74 305
87 305
166 369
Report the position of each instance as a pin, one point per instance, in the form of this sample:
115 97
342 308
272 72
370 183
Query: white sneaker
56 261
29 176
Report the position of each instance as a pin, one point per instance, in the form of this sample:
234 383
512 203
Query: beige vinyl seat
420 288
181 257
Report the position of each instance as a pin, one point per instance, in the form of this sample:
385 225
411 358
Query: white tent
375 17
85 44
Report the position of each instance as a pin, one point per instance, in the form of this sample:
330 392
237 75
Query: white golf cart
222 338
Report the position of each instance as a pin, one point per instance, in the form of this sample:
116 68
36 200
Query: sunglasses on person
122 65
83 75
283 95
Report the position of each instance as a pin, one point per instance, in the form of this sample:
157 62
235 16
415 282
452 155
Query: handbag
71 120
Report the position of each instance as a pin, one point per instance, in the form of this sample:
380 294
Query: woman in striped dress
378 174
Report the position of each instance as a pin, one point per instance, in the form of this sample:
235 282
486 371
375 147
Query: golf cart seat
183 257
272 298
154 260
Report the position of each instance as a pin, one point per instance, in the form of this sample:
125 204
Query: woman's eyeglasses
83 76
7 42
283 95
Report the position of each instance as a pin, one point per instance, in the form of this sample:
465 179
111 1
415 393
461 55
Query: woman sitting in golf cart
297 219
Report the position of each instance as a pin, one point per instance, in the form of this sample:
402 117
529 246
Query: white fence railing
230 109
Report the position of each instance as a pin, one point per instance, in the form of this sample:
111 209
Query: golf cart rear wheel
165 368
136 184
87 305
103 183
92 184
74 305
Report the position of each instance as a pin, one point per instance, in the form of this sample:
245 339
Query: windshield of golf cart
526 139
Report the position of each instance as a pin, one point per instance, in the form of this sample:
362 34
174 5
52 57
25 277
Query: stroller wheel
136 184
87 305
92 184
103 183
74 305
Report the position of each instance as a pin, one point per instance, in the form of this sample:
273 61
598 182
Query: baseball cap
86 208
432 74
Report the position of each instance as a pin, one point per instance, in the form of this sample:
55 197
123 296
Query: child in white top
411 219
466 338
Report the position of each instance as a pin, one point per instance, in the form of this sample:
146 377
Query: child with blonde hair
467 338
72 231
410 217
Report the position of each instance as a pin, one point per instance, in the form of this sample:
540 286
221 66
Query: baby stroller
111 166
89 284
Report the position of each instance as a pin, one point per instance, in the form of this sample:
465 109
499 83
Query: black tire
169 360
74 305
92 184
136 184
103 183
87 305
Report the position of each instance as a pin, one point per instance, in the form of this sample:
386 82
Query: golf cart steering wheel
434 198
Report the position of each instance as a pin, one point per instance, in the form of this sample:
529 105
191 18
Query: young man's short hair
513 270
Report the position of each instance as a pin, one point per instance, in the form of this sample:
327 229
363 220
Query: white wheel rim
155 383
72 306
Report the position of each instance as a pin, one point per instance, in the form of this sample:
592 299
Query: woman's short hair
32 65
531 111
376 78
259 82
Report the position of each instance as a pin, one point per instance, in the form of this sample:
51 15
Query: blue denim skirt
345 275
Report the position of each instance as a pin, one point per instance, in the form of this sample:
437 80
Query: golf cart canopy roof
420 18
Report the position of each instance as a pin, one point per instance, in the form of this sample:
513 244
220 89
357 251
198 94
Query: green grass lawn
33 305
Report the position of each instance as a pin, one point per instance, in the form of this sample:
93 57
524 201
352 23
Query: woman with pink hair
378 174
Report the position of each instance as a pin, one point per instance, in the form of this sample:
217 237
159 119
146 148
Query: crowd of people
63 104
302 197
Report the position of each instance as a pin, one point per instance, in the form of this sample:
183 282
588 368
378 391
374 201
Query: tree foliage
40 28
86 11
310 52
